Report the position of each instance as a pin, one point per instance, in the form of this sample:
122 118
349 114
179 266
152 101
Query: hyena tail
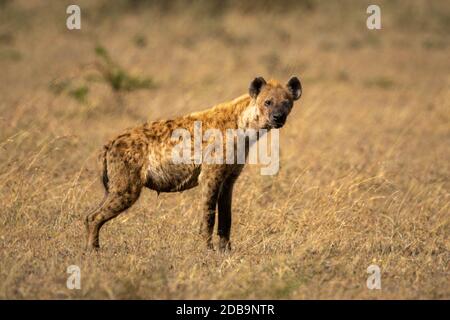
105 178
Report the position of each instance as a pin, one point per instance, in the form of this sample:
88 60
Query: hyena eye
268 103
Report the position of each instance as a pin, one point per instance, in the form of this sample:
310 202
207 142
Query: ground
364 176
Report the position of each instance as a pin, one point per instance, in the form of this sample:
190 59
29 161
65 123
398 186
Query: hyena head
271 102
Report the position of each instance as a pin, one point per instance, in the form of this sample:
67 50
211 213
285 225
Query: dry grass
364 158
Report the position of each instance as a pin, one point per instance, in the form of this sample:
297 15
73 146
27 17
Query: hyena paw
224 245
210 246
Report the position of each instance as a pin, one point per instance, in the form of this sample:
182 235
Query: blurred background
364 174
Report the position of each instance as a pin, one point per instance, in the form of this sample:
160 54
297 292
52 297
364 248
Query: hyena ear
295 88
255 86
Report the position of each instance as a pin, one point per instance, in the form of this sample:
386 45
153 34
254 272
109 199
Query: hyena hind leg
91 214
124 188
114 204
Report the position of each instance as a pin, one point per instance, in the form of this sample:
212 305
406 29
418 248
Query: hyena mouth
278 125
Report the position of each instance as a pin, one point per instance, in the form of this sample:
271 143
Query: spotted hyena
142 157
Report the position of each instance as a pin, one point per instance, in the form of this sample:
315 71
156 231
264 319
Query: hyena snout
278 119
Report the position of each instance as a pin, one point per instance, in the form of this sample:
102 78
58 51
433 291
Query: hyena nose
279 117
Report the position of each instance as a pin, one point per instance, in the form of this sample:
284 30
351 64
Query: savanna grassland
365 158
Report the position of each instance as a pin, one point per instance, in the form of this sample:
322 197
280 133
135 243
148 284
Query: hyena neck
248 117
239 113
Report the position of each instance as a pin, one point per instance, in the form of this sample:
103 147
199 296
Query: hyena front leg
211 182
224 206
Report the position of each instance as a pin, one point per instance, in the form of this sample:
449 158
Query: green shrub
118 78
